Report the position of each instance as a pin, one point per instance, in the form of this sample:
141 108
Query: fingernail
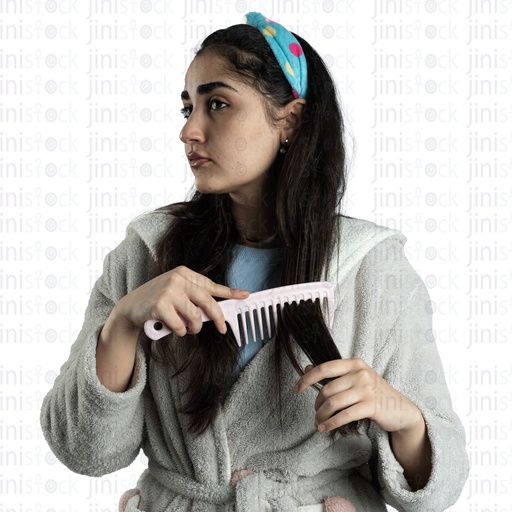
321 428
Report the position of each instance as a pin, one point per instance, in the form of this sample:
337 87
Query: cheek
256 151
255 126
247 140
240 142
266 138
267 144
232 138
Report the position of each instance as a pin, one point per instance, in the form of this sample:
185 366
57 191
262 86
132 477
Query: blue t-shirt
254 269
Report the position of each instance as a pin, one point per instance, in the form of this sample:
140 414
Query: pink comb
259 308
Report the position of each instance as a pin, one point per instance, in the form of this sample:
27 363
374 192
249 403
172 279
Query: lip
196 159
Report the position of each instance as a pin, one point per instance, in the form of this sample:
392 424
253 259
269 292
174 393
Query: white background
89 123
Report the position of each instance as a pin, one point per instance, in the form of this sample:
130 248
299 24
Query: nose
192 132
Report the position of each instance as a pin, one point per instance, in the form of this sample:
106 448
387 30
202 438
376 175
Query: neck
255 219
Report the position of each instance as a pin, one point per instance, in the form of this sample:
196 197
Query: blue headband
287 50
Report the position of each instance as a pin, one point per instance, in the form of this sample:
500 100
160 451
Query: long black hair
310 181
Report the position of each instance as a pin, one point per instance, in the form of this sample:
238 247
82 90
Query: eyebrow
206 88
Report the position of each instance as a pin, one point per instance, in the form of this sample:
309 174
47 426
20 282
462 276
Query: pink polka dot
295 49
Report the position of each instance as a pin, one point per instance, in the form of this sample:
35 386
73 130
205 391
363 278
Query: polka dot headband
286 49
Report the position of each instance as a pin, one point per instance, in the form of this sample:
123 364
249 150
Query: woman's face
228 139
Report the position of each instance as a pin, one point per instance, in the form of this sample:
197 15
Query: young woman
303 418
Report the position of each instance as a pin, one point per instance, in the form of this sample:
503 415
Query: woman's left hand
355 391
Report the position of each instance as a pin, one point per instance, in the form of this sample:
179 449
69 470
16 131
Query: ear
292 118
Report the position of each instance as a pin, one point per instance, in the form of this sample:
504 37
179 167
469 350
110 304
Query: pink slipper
338 504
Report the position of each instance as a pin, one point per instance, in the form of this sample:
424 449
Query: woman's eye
186 111
217 104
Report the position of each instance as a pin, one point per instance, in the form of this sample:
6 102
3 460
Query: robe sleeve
92 430
407 357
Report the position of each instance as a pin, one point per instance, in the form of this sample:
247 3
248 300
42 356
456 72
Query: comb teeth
242 315
260 323
255 320
246 313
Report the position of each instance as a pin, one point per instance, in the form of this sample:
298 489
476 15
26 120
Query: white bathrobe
383 316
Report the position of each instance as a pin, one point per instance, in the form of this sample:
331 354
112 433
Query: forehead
207 68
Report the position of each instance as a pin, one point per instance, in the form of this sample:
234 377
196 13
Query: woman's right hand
173 298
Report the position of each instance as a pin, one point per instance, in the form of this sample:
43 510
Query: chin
204 188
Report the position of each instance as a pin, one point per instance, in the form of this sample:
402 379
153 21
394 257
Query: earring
283 148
